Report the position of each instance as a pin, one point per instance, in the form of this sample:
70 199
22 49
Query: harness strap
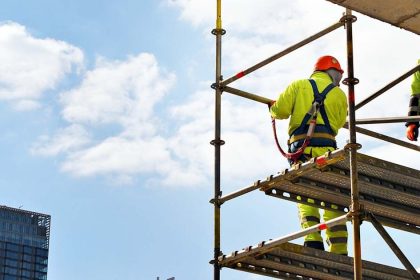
320 97
300 132
299 137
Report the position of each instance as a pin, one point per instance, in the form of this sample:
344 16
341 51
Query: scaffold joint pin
217 31
350 81
346 18
219 142
349 146
217 86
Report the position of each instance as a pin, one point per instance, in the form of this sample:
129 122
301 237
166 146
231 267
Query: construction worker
413 107
295 102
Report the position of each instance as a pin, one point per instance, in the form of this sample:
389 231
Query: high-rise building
24 244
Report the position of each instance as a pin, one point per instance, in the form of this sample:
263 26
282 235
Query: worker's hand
272 102
412 131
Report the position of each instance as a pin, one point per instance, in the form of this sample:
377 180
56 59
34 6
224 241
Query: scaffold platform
389 191
291 261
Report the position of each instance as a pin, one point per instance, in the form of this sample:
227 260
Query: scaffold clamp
218 31
219 142
218 86
347 17
360 212
349 146
217 201
350 81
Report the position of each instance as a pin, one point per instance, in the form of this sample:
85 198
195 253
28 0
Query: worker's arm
283 106
412 131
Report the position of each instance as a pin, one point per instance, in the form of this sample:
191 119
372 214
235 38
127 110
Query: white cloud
30 66
26 105
122 159
65 140
193 11
118 155
116 103
122 92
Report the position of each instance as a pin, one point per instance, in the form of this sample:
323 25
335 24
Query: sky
106 114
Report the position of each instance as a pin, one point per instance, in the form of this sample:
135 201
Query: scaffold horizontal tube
387 138
388 120
269 245
247 95
283 53
240 192
387 87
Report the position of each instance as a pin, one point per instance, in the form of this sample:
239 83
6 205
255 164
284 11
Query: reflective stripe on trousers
336 236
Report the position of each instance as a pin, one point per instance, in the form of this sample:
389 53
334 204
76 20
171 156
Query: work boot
314 244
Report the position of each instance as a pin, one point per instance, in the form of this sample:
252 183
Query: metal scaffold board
401 13
388 190
291 261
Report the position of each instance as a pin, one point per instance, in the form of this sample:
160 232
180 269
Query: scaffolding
360 186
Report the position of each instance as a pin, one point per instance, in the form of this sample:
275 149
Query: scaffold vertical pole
353 146
217 142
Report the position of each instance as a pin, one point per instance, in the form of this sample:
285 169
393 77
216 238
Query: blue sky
106 115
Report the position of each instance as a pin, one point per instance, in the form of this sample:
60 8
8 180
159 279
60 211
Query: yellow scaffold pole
219 15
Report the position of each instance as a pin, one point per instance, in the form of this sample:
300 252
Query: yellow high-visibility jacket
297 99
415 83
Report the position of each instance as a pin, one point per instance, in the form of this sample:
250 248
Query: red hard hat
326 62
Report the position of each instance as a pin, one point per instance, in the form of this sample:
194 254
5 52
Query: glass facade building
24 244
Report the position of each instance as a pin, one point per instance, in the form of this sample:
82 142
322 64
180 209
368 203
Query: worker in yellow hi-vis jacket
413 107
295 102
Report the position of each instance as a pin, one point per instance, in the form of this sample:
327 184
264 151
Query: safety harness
316 135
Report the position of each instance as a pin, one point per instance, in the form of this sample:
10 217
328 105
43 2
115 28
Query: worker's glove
412 131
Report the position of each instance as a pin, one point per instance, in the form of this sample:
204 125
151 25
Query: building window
26 273
42 252
41 260
13 247
12 255
27 250
11 263
11 271
26 265
40 275
27 258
